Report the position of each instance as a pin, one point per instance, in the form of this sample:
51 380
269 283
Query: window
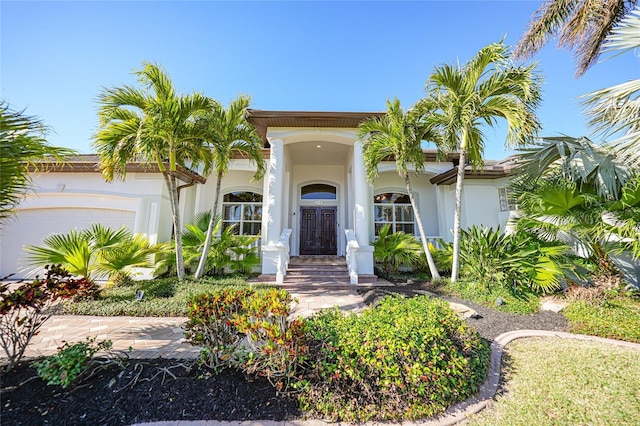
243 209
507 202
318 191
395 209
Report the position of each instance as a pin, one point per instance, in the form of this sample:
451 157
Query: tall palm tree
579 25
462 99
615 111
22 144
398 135
154 125
228 133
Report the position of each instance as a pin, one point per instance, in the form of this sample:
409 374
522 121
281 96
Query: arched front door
318 230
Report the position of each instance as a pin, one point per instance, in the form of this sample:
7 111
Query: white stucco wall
63 201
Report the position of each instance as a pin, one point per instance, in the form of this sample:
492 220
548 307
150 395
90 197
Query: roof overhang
262 120
89 163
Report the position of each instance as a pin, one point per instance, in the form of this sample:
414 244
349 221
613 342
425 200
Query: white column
362 212
272 209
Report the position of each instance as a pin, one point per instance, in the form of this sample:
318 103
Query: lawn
575 382
160 297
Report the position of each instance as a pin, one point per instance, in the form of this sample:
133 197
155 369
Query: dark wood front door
318 230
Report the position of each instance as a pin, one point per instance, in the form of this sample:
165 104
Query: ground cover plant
498 297
159 297
615 318
575 382
403 359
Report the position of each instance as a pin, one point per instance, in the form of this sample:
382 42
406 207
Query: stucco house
314 199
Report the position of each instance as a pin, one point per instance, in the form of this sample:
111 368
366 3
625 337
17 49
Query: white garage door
31 226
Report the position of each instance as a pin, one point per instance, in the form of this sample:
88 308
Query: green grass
164 297
617 318
523 303
574 383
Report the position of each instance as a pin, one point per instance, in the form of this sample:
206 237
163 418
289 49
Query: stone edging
462 410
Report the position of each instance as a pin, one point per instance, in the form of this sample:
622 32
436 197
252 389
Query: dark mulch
143 392
148 391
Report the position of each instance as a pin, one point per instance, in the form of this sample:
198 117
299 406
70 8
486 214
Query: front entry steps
321 271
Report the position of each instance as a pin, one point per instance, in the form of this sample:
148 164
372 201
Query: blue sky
55 57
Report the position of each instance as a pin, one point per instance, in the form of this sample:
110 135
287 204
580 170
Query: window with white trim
507 203
394 209
243 209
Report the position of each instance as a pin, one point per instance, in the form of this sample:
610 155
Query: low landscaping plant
71 361
161 297
614 318
250 330
25 309
404 359
516 300
94 252
391 250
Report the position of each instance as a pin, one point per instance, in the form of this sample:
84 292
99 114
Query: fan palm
579 25
93 252
228 133
589 165
461 99
22 144
615 111
398 135
152 124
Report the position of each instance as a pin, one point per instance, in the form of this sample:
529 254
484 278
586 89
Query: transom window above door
395 209
318 191
243 209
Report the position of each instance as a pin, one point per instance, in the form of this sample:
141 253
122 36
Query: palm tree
398 135
22 145
615 111
592 167
154 125
94 252
461 99
579 25
228 133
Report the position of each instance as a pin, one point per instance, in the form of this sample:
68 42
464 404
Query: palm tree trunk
456 216
177 227
212 221
425 244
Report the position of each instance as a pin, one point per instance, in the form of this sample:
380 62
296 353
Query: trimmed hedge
404 359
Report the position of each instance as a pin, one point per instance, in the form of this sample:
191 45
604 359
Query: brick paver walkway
152 337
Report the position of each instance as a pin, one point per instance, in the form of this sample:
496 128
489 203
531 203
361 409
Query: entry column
272 208
362 208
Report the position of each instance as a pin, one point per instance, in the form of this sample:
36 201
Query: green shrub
392 250
276 345
228 251
70 362
491 257
617 318
25 309
404 359
248 329
210 325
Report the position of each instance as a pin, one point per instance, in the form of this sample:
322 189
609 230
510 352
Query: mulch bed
161 389
145 391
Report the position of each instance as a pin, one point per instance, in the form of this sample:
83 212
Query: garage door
29 227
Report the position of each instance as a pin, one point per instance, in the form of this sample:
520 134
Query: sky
56 57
